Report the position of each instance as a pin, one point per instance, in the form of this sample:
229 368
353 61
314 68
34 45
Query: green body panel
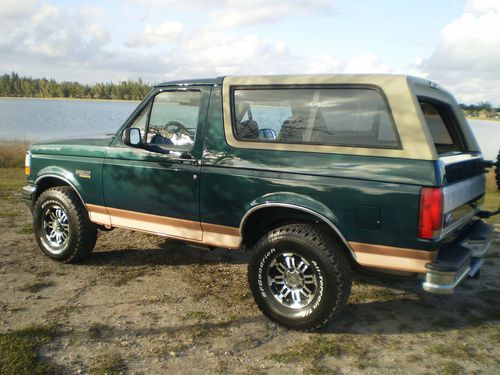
235 180
136 179
63 158
150 183
81 147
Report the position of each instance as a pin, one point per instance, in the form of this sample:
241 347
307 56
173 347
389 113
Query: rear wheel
299 276
61 225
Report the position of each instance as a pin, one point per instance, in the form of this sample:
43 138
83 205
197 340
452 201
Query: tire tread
327 247
86 233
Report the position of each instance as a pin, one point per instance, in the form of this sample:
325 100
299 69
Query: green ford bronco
316 175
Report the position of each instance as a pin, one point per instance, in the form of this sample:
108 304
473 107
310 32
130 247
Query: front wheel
62 226
299 276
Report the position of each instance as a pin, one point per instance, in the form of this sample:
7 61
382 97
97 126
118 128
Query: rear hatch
460 164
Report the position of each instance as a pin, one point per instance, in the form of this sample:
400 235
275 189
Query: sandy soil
144 304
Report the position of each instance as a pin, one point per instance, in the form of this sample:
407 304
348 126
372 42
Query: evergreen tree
12 85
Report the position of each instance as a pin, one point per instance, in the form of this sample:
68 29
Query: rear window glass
442 126
324 116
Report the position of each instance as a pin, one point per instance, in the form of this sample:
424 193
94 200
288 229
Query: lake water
38 119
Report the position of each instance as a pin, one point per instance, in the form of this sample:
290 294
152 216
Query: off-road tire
326 256
497 170
82 235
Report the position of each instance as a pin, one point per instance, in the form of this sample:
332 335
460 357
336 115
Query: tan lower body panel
204 233
392 258
376 256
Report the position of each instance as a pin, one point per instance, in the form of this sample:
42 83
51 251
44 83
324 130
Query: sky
455 43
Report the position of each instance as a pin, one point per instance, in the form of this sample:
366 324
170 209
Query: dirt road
143 304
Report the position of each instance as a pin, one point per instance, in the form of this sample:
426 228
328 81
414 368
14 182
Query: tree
13 85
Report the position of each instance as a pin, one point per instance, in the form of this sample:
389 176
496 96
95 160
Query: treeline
14 86
484 109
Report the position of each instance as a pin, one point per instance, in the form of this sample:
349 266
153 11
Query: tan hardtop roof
416 142
329 78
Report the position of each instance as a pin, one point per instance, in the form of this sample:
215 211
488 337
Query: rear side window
323 116
443 126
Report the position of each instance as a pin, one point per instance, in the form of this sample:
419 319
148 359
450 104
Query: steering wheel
179 128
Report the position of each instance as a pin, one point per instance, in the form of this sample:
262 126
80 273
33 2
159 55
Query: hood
92 146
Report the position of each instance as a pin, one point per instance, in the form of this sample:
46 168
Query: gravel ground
146 305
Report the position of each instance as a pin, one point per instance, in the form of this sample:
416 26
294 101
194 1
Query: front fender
60 173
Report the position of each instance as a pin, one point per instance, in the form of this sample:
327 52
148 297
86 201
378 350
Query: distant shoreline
483 119
75 99
138 101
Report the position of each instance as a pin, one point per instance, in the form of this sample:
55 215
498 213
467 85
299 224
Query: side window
444 130
322 116
174 120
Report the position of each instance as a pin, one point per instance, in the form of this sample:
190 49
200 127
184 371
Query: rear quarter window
442 125
322 116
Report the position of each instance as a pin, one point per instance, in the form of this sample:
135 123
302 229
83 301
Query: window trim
446 112
233 88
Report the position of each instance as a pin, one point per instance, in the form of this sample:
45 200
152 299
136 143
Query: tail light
430 220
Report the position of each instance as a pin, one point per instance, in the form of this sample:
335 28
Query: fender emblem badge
83 174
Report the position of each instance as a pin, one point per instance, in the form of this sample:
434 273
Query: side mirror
132 137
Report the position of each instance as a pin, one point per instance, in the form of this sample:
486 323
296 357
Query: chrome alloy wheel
292 280
55 227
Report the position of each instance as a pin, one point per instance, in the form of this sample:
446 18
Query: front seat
292 130
247 129
158 139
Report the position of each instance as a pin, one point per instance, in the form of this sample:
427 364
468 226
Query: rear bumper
28 194
456 261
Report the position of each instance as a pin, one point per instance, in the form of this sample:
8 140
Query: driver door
155 187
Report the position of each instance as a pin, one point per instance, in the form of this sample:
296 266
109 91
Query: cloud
209 53
155 34
45 39
51 41
467 57
367 63
238 13
45 31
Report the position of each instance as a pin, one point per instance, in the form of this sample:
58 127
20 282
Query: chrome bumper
457 261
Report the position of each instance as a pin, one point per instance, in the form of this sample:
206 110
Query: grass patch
200 331
317 348
198 315
452 368
11 180
364 293
20 351
12 153
176 350
454 349
26 229
8 213
119 276
224 282
109 364
492 198
36 286
97 331
314 350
